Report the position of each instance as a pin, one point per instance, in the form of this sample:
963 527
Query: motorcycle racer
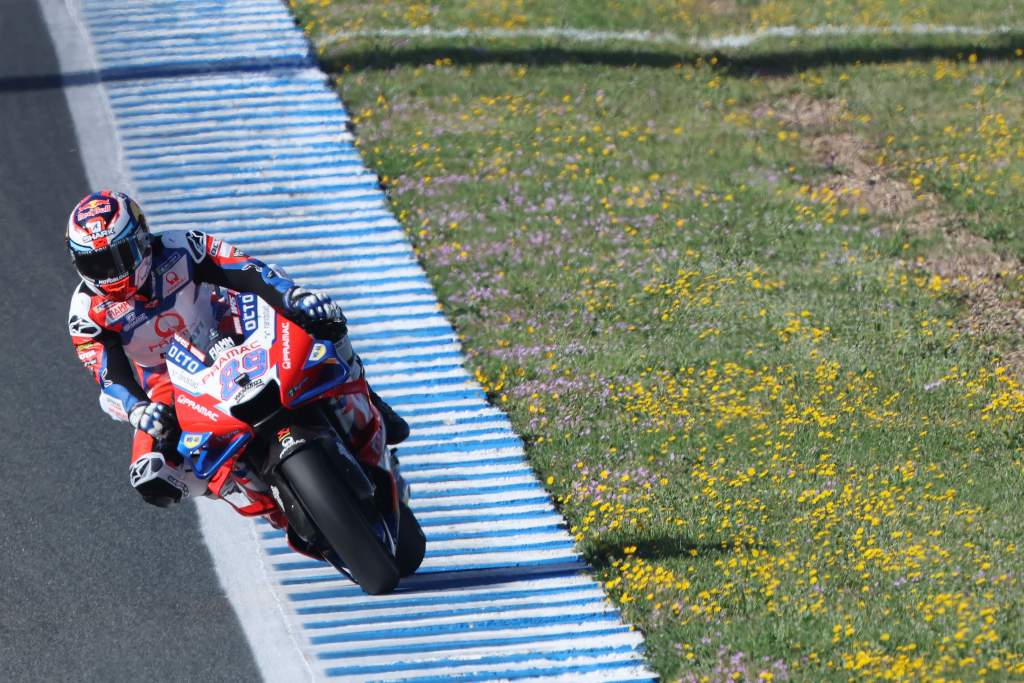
138 290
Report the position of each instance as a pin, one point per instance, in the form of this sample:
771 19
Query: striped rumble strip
226 125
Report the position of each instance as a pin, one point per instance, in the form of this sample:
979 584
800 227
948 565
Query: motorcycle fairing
275 354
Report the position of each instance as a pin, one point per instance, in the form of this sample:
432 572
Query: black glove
316 313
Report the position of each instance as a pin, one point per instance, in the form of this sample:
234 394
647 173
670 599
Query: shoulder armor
80 322
193 241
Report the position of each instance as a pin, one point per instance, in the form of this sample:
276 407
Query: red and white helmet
109 242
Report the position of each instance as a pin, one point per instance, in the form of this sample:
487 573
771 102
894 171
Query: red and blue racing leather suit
122 343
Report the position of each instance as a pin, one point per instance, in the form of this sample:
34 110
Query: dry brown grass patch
974 269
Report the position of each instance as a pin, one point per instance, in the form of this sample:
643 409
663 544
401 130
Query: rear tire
412 544
329 501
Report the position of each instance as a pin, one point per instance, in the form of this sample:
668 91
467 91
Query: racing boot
396 429
162 481
401 485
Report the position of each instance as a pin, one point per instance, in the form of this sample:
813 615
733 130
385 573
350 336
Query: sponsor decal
118 309
168 323
250 318
287 440
250 388
132 320
318 352
89 353
286 345
214 245
99 230
169 263
295 389
220 346
95 207
175 277
166 326
183 359
114 408
191 441
232 353
198 407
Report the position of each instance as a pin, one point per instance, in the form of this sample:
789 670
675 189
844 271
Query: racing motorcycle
256 406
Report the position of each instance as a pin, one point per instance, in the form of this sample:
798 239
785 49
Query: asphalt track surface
94 584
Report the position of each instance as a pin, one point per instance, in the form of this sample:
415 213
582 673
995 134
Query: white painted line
98 141
736 40
247 583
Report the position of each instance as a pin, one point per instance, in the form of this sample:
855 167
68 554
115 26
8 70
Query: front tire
329 502
412 544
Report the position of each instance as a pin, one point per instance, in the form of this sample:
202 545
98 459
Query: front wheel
329 501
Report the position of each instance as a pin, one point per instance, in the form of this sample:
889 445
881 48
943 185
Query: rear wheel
412 544
342 522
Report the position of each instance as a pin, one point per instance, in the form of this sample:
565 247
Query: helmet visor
114 262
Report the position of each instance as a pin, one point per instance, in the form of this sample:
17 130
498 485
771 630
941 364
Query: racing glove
156 419
311 305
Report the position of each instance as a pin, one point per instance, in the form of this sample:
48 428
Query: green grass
758 408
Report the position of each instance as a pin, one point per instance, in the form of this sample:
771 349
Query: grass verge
738 316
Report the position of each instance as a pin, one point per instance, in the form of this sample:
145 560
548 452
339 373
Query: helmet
109 242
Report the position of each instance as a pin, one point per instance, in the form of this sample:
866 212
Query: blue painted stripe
197 44
278 176
269 80
558 561
366 185
423 383
533 672
169 15
139 146
463 446
274 126
447 599
478 627
253 204
416 648
449 582
472 517
114 38
248 163
437 331
209 98
393 306
540 496
178 68
383 359
299 565
498 474
245 117
410 412
494 416
414 469
178 155
596 601
450 662
436 537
